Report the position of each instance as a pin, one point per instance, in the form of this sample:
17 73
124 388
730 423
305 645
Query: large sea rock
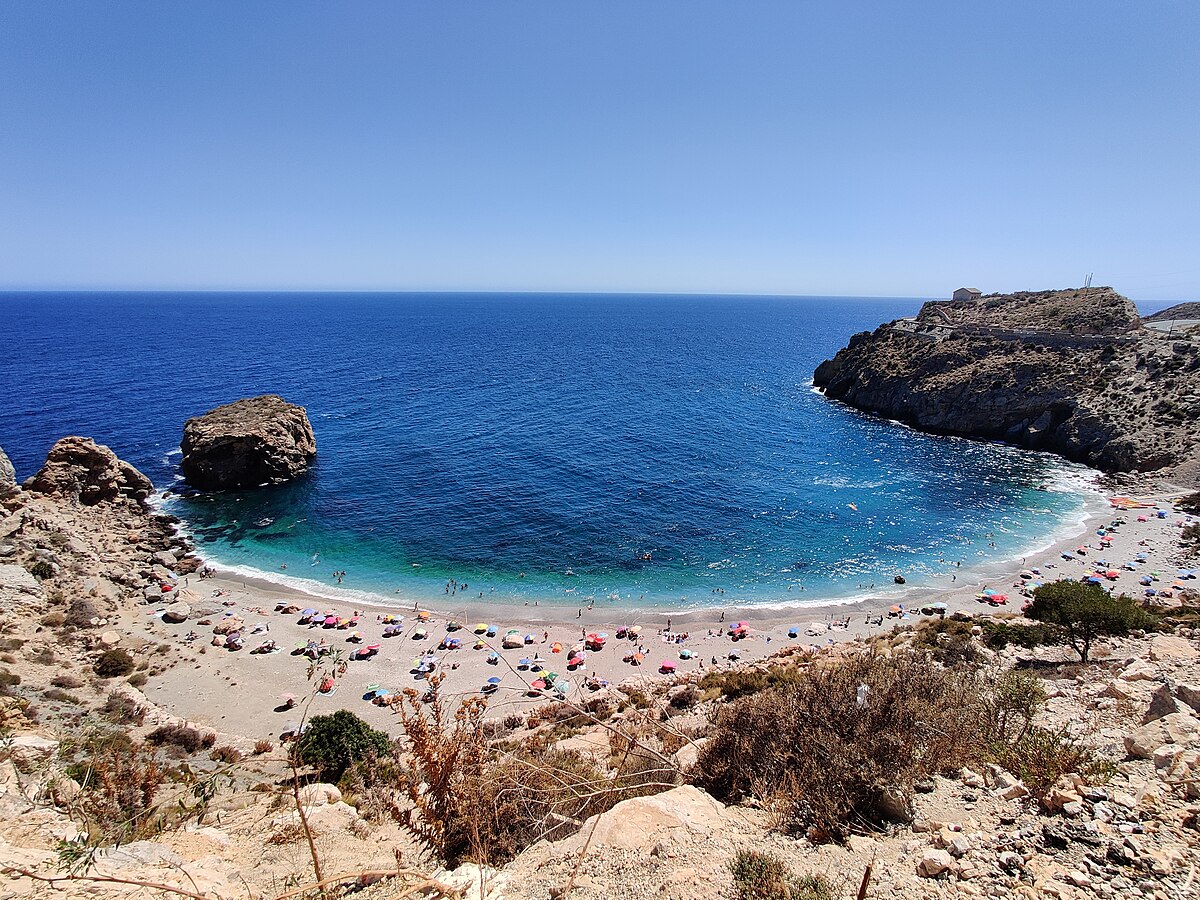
247 443
77 468
8 476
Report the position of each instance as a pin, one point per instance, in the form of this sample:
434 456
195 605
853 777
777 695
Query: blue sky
898 149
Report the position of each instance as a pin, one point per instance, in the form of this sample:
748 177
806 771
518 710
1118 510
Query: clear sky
793 147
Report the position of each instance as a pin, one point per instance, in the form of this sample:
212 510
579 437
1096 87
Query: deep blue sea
534 447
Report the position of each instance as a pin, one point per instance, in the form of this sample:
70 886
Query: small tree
332 743
1086 612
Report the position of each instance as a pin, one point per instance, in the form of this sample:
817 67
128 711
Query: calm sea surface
534 446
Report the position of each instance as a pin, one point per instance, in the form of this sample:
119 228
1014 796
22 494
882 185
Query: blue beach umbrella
495 679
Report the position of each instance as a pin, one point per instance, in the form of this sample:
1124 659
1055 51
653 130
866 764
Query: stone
1176 728
247 443
229 625
1187 694
1138 670
1005 785
639 824
177 612
959 846
933 863
8 476
318 794
1073 809
970 778
895 805
1171 648
166 559
110 638
79 469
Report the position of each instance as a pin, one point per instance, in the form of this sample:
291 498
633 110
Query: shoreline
556 608
238 692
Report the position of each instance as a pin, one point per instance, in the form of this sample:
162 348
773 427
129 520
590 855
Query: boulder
319 794
8 476
79 469
1162 703
1188 694
1138 670
247 443
1171 648
229 625
639 824
1176 728
176 613
933 863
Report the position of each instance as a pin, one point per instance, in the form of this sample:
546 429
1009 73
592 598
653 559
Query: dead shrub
839 747
119 786
764 876
263 746
227 755
467 800
121 710
66 681
184 737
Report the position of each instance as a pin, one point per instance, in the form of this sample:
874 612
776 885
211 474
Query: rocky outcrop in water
77 468
8 476
1072 372
247 443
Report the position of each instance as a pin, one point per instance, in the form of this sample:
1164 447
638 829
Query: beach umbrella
420 634
1146 579
481 628
666 666
288 698
538 684
480 644
562 687
637 659
495 679
453 626
1150 592
493 658
940 607
308 612
523 663
635 631
556 647
374 648
422 616
1092 579
685 653
794 631
530 638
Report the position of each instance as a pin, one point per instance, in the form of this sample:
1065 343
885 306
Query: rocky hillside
1178 311
1066 371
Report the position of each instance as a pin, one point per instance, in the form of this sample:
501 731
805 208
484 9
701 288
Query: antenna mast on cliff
1087 282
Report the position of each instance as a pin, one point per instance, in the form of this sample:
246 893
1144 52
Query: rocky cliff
1071 372
8 476
77 468
247 443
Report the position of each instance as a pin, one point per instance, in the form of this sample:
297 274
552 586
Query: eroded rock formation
1071 372
8 476
247 443
78 468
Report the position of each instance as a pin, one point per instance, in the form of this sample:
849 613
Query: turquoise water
628 450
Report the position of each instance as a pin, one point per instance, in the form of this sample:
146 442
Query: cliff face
79 469
1066 371
247 443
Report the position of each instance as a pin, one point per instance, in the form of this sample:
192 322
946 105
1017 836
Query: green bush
113 663
184 737
999 634
41 570
333 743
1085 612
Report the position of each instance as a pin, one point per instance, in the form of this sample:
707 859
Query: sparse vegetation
184 737
764 876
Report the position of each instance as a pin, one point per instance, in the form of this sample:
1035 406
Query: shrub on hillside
998 634
332 743
113 663
841 746
120 782
1085 612
764 876
184 737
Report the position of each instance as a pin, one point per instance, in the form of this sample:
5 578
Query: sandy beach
240 692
